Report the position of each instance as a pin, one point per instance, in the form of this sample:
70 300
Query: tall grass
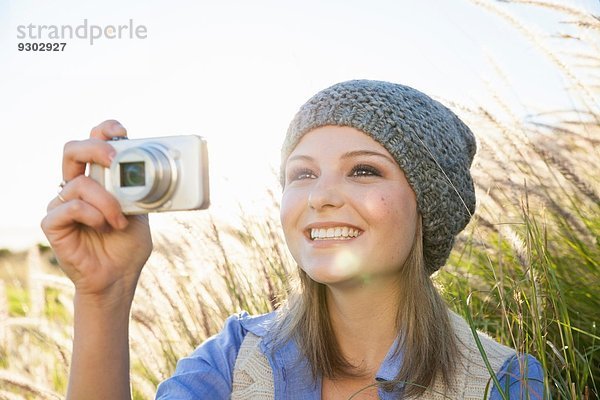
534 249
526 269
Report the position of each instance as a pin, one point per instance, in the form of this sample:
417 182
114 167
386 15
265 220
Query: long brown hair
428 344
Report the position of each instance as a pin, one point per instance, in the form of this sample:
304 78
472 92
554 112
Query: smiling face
347 211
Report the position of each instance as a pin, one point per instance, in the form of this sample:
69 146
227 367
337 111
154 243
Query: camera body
157 174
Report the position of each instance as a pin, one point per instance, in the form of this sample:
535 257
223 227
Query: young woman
376 185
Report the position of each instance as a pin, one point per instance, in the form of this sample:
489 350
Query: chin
330 275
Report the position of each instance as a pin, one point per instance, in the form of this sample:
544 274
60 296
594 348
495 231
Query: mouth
334 233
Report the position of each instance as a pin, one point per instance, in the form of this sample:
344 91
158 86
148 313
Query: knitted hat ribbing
429 142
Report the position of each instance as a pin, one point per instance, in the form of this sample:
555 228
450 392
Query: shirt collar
258 325
390 367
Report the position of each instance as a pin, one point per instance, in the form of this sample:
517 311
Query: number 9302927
27 46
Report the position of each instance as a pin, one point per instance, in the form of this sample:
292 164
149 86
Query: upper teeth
333 233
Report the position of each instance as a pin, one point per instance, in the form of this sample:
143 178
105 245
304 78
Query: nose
325 194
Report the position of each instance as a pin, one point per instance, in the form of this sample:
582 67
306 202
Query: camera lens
144 173
133 174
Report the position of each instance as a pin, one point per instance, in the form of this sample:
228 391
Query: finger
91 192
102 132
108 129
77 153
56 201
66 215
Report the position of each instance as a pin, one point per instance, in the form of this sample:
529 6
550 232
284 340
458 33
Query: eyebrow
358 153
349 154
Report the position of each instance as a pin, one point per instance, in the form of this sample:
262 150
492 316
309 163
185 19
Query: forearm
100 362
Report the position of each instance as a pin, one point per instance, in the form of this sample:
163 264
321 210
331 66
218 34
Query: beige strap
471 377
252 374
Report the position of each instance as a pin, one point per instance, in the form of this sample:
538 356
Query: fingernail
111 155
116 125
123 222
117 128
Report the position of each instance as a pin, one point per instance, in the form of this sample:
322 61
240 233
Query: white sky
235 72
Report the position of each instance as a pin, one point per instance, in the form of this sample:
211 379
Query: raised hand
99 249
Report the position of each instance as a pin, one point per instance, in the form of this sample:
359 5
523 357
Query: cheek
291 207
379 207
392 214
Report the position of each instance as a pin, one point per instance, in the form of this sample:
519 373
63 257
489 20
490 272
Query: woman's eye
365 170
300 174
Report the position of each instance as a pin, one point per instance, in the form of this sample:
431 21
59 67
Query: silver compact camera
157 174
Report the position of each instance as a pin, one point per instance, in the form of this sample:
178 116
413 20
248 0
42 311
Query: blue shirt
208 372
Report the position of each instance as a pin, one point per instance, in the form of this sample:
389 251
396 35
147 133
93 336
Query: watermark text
86 31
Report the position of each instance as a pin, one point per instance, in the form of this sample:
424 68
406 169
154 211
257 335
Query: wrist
117 297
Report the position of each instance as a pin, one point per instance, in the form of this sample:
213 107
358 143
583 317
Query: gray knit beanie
429 142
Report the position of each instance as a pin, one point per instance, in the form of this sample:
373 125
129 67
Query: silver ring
62 184
61 198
